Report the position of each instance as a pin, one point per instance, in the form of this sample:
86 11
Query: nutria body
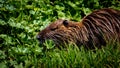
95 29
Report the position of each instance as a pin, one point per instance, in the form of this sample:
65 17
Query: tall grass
74 57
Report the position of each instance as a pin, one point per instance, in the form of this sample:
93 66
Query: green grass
74 57
21 20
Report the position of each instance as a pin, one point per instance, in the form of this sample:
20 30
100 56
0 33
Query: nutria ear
65 22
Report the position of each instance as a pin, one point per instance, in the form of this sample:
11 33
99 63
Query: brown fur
94 30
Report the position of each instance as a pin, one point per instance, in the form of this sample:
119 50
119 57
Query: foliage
21 20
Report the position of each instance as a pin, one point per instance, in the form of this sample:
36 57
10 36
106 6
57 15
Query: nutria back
94 30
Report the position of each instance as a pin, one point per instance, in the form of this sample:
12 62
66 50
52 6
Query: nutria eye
52 29
65 22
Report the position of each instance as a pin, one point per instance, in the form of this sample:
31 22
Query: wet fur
95 29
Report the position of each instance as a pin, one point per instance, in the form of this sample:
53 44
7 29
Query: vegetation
21 20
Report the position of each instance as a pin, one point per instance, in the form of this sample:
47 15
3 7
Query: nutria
94 30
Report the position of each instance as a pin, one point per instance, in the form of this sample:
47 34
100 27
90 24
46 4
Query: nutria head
63 31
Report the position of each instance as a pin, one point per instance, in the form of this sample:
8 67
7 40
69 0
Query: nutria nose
38 37
41 40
